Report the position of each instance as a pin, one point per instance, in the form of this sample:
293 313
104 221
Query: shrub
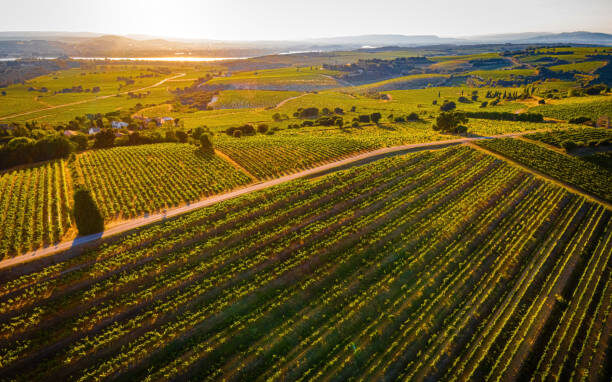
87 216
463 99
449 121
400 119
375 117
262 128
579 120
355 124
206 144
448 106
237 133
484 104
595 89
309 113
338 111
541 102
412 117
105 138
364 118
307 123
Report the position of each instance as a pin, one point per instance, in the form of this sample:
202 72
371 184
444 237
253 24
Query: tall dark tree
87 216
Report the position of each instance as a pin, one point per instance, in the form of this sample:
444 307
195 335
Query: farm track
69 247
93 99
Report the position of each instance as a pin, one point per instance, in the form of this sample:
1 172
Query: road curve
153 218
92 99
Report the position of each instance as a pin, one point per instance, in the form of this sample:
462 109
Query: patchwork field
447 265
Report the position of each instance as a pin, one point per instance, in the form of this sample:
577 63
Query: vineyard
566 109
577 136
267 157
129 181
445 265
238 99
33 207
565 168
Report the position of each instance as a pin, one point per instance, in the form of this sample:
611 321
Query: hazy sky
297 19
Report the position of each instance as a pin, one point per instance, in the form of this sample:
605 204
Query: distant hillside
37 44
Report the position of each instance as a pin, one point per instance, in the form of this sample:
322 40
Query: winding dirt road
319 170
92 99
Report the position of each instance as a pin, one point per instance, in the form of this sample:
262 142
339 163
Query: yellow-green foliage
239 99
34 207
573 107
295 79
586 67
129 181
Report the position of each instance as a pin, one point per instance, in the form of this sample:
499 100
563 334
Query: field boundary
571 188
362 158
92 99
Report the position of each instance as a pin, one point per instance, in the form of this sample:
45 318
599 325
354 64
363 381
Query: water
164 59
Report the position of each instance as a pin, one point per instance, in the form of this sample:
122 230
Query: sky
303 19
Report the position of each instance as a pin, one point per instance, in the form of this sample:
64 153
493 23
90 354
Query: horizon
266 20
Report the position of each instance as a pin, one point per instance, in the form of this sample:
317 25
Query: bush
355 124
375 117
595 89
338 111
307 123
399 119
262 128
542 102
506 116
448 106
412 117
463 99
568 145
364 118
206 144
484 104
87 216
237 134
579 120
309 113
105 138
449 121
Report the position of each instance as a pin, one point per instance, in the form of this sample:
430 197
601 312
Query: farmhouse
94 130
119 124
70 133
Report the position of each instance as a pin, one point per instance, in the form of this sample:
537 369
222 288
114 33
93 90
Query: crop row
565 168
435 265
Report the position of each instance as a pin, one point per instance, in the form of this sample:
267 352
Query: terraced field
437 265
34 205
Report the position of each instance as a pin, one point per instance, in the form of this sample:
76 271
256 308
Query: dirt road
319 170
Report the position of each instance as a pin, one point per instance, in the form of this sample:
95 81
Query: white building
118 125
94 130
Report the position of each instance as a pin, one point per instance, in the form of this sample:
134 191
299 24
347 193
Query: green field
591 107
445 265
129 181
293 79
240 99
586 67
585 175
35 204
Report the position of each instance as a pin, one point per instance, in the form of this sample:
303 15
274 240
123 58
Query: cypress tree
87 216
